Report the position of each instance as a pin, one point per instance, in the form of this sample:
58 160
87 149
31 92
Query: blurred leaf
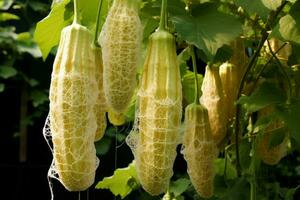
220 168
291 116
208 30
239 190
255 7
38 97
188 86
277 136
103 145
179 186
7 72
272 4
32 49
48 30
266 94
288 27
5 16
38 6
245 149
25 36
2 87
122 183
290 193
5 4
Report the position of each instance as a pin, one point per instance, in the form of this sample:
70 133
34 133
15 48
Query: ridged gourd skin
273 155
239 57
199 149
73 92
100 107
213 99
230 79
120 40
159 115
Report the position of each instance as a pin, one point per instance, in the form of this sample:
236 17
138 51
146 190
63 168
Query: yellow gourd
73 93
230 79
199 149
120 40
273 155
100 107
156 133
213 99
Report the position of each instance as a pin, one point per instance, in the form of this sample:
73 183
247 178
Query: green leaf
48 30
277 137
5 16
122 183
272 4
2 87
5 4
288 27
290 193
7 72
220 168
38 97
254 7
291 117
188 86
266 94
208 30
179 186
103 145
182 59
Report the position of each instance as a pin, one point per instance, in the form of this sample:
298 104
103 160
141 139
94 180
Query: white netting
154 140
213 99
199 150
120 40
72 122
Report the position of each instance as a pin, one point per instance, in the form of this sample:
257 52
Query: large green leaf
266 94
179 186
288 27
122 182
254 7
48 30
208 29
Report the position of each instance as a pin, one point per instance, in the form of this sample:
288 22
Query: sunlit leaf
48 30
208 29
5 16
179 186
122 183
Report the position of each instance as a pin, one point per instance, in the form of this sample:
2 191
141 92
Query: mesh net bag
155 135
71 124
120 40
213 99
199 149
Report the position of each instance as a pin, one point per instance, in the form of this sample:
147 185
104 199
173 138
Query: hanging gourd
120 40
156 132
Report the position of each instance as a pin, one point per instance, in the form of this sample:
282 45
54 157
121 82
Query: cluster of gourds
89 81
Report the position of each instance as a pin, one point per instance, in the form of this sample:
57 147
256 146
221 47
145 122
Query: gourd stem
196 100
163 15
97 23
76 14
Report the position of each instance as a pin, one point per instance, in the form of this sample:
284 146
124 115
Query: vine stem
197 96
163 15
289 93
97 23
265 34
76 14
